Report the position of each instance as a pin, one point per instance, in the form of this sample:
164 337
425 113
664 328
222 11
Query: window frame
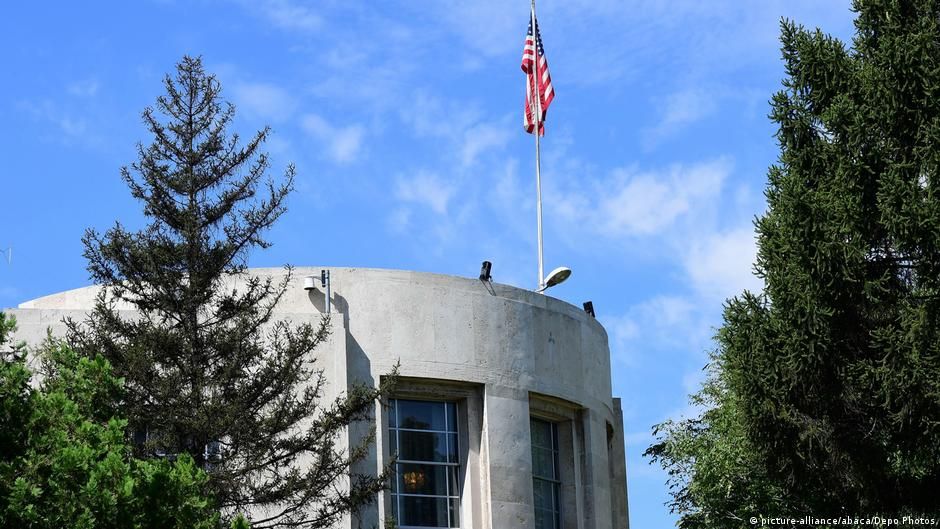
469 399
568 419
455 467
555 479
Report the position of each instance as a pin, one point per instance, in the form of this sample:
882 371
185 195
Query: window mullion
419 414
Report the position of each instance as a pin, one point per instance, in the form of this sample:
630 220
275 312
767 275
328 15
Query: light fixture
485 271
555 277
414 481
589 308
309 283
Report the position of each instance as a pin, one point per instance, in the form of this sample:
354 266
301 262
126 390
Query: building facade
503 417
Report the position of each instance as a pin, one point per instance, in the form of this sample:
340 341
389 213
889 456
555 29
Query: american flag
536 69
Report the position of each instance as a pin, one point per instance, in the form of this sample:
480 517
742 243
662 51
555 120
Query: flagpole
538 163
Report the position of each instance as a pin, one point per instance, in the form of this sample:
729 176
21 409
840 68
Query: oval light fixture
556 277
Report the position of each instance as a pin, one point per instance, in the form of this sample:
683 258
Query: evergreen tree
208 371
827 384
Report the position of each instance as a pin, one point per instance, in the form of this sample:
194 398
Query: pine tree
827 384
208 370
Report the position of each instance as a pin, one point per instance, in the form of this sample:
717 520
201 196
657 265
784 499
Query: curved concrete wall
506 347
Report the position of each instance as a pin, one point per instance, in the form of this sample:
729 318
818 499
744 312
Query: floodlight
485 270
589 308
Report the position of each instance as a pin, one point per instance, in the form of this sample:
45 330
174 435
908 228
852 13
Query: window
545 476
423 434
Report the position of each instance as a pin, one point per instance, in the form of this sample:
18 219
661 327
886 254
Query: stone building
504 416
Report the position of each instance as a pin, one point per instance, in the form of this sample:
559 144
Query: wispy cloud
265 100
83 88
491 27
469 134
432 116
426 189
289 14
483 137
427 210
399 219
661 323
630 202
66 126
720 264
342 143
679 110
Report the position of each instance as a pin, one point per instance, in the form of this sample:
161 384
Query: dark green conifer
826 386
208 371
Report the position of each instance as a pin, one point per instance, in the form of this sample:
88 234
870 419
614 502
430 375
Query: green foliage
826 387
240 522
15 408
729 485
205 363
66 464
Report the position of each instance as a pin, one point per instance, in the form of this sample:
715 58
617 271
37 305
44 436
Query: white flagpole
538 164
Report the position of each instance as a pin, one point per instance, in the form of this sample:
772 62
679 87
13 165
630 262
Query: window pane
543 494
541 433
452 456
543 463
421 415
545 519
424 512
422 446
454 513
545 473
451 416
424 437
452 474
423 479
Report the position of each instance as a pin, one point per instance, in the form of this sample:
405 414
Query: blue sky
404 120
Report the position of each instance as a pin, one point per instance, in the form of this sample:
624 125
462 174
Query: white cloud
632 203
432 116
399 220
377 73
674 217
481 138
720 265
427 211
346 55
491 27
343 144
679 110
278 145
426 189
265 100
470 135
83 88
69 128
289 15
644 206
658 324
